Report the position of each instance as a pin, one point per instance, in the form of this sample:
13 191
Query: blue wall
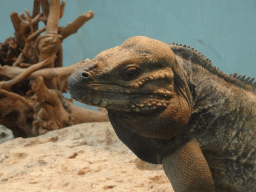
223 30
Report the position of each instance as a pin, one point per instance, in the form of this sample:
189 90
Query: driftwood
32 76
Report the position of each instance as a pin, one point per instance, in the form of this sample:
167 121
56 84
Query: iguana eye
130 73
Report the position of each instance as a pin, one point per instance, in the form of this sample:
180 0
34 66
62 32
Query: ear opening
192 89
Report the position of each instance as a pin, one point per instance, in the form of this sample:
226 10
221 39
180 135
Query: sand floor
81 158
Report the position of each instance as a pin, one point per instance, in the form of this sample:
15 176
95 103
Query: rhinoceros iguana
170 106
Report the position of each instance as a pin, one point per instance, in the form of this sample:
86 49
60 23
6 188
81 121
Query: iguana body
171 106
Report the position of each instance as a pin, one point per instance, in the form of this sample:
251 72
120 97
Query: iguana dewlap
169 105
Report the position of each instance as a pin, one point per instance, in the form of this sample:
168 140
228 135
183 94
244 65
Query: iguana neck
218 100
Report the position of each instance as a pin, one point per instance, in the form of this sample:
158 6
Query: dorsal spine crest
239 80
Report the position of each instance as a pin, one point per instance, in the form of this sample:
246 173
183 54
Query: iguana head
142 80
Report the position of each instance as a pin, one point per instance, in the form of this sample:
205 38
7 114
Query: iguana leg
188 170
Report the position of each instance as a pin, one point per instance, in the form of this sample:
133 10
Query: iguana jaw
125 99
144 113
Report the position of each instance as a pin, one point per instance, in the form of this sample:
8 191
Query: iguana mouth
122 100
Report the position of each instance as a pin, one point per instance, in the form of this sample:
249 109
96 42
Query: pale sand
82 158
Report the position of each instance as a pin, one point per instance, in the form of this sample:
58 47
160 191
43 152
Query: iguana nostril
85 75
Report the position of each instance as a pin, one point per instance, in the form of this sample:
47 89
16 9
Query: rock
81 158
5 134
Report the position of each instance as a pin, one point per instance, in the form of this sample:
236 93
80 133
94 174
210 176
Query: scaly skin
172 107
